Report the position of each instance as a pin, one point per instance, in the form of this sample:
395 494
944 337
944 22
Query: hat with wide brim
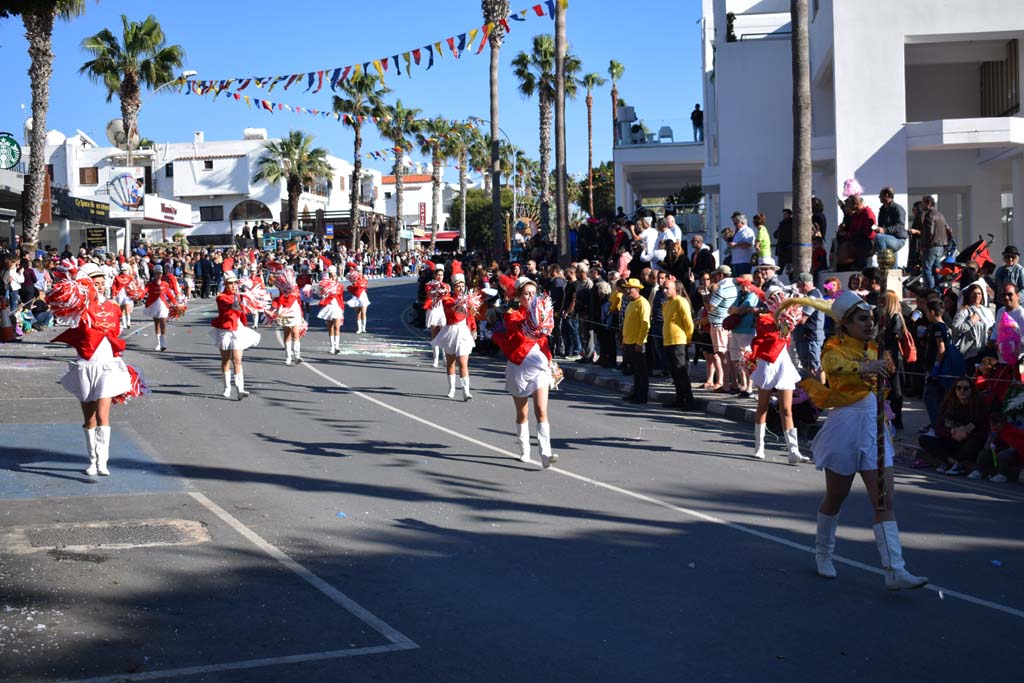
847 302
230 277
89 271
522 281
632 283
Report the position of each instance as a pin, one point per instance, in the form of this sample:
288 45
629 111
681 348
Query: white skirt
361 301
524 379
846 443
122 298
291 316
780 374
103 376
455 340
331 311
435 316
235 340
157 309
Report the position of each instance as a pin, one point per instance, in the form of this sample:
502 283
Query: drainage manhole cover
111 535
134 534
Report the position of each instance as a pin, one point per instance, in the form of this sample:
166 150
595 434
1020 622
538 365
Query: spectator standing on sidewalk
570 326
935 235
742 245
784 239
702 260
762 241
810 333
676 332
1011 272
717 302
745 305
655 351
556 290
584 285
635 328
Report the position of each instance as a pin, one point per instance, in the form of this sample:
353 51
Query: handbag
732 321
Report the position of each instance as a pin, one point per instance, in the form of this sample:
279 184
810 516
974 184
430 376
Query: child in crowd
998 460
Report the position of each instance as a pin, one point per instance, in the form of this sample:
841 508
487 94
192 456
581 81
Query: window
207 164
169 170
211 213
387 195
49 171
89 176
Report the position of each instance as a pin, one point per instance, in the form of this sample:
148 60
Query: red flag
416 56
483 40
319 81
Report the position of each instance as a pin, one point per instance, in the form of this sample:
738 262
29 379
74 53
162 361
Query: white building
917 95
214 177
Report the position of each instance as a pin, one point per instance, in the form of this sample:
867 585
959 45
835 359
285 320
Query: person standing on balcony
891 231
741 245
935 234
697 119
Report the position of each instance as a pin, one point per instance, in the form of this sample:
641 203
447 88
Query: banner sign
96 237
126 188
423 214
329 232
82 210
10 151
167 211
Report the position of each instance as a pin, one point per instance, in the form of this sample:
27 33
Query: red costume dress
331 297
769 349
120 288
456 337
436 292
99 372
358 291
288 309
159 298
229 329
529 358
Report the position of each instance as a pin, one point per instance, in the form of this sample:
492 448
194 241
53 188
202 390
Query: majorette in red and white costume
436 290
287 310
99 376
163 302
238 300
124 290
774 372
332 310
524 342
456 337
357 288
304 282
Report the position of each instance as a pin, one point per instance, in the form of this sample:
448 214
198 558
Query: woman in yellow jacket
677 331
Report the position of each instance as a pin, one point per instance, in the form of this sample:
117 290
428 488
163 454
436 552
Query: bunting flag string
315 80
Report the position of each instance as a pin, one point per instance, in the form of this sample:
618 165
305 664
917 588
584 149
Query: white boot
158 346
523 439
296 348
336 344
825 544
288 352
759 430
887 539
451 386
129 317
227 385
437 356
547 458
102 450
793 444
163 341
466 396
240 385
90 448
362 325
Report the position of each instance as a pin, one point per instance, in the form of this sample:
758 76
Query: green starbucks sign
10 151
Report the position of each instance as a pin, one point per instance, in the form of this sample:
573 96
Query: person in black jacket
891 229
702 261
204 275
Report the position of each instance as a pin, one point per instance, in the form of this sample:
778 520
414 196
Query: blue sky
658 41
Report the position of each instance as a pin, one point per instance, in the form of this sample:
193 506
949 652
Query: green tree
294 160
479 234
431 140
536 73
604 190
38 17
459 142
141 58
363 100
398 126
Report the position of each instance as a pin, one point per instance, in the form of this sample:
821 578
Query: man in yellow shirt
677 331
635 327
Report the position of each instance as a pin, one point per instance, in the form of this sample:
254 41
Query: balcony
633 131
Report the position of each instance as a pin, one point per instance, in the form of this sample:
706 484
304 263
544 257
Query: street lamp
128 221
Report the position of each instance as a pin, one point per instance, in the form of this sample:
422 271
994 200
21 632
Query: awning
442 236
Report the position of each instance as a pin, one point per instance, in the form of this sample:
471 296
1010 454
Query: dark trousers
678 364
638 362
943 450
606 344
204 288
589 348
1004 462
655 350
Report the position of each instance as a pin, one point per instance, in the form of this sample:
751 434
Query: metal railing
656 131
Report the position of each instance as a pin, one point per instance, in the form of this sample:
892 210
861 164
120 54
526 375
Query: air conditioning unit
627 114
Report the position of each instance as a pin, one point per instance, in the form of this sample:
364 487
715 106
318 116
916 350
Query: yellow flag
380 69
471 37
439 49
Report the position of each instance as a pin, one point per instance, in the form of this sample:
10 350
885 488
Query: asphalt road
356 525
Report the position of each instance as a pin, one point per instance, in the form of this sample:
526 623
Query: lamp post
180 80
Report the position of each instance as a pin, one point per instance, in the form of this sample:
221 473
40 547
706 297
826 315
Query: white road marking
246 664
398 640
696 514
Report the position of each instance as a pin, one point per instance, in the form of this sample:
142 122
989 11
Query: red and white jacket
101 321
229 315
514 343
358 285
768 342
160 289
453 316
120 282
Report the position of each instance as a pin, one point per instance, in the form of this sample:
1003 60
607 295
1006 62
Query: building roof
410 178
203 157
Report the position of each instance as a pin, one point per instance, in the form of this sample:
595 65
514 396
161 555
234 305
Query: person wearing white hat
119 291
436 290
524 341
456 337
358 300
159 298
98 377
846 444
232 335
331 310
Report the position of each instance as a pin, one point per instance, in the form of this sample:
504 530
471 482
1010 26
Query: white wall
943 91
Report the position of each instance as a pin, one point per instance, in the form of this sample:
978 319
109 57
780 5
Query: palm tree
615 72
801 137
364 99
141 58
398 125
591 81
431 140
294 160
480 158
536 74
38 19
495 11
458 144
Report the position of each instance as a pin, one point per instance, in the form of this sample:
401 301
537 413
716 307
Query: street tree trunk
615 114
590 152
545 164
399 189
39 32
435 199
294 193
463 160
131 102
801 137
495 172
561 173
357 175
